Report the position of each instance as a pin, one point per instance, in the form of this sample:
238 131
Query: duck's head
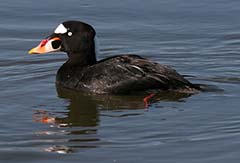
75 38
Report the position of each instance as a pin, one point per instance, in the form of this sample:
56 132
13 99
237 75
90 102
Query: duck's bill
47 46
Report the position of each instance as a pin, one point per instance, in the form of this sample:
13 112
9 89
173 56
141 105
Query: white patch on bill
60 29
49 47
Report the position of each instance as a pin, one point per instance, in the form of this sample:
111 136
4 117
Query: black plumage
122 74
114 75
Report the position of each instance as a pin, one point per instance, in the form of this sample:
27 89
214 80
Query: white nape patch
61 29
69 34
96 44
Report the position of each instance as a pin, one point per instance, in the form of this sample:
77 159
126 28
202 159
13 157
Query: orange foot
147 99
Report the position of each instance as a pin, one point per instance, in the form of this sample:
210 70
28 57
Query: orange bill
47 46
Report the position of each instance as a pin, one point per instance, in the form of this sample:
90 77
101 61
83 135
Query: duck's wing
129 73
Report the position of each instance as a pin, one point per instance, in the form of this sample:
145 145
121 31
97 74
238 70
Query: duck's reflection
82 111
81 119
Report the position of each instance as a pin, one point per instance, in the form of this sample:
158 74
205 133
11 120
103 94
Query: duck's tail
207 88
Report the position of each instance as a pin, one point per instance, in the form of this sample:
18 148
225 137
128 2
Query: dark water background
198 38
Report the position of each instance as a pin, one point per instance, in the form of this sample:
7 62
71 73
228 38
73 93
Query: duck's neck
81 59
73 67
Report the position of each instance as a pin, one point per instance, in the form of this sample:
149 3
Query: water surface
40 123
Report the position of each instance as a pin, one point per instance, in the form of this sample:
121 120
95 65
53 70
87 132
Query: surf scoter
120 74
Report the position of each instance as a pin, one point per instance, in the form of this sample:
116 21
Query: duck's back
123 74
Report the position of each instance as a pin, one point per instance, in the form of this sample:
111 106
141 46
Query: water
198 38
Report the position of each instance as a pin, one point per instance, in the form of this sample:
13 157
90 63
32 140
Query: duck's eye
69 34
56 44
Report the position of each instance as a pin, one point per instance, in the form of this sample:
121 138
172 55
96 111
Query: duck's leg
147 99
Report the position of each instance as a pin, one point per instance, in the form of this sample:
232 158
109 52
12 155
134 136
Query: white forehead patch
60 29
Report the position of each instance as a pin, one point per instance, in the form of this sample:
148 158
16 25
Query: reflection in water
80 121
81 111
59 149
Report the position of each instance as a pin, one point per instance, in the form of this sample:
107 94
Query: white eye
69 34
61 29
